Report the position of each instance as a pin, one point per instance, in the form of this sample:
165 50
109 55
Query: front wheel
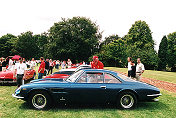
127 100
40 100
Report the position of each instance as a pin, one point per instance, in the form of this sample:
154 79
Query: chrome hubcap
126 101
39 101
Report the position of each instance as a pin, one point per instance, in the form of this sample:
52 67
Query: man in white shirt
139 69
20 72
33 63
129 66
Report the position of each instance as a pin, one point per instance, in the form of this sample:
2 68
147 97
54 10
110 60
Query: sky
112 16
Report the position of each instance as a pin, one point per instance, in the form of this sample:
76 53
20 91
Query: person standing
63 65
139 69
33 63
133 70
41 68
57 64
51 65
69 63
10 65
1 60
4 64
129 66
96 64
47 67
20 72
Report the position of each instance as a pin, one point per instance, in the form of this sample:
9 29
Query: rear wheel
127 100
40 100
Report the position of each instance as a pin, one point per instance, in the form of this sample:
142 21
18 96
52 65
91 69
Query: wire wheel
39 101
127 100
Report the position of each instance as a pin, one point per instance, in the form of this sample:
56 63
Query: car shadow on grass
65 107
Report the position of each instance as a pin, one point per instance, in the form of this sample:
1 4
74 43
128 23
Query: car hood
47 80
6 74
44 84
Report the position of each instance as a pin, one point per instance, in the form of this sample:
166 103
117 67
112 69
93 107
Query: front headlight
18 90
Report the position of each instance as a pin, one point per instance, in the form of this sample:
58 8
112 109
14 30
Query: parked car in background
88 86
7 76
65 73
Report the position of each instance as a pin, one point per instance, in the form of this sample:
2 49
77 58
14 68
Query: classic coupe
7 76
89 86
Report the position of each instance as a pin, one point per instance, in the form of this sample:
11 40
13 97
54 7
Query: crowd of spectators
46 65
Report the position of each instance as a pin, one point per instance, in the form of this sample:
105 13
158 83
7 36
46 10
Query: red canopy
16 57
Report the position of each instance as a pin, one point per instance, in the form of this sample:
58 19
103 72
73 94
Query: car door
89 88
113 86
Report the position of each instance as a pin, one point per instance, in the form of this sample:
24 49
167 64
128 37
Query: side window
83 78
91 78
110 79
94 77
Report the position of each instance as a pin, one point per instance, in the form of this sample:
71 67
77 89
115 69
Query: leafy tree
110 39
112 51
172 51
76 38
26 45
162 54
41 41
141 45
115 53
7 45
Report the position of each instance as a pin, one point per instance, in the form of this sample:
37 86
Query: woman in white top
69 63
129 66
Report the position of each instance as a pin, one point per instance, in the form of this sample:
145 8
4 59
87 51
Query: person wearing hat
96 64
20 72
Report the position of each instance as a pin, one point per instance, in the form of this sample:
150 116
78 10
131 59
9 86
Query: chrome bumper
18 97
154 95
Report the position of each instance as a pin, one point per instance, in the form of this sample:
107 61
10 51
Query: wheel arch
40 89
128 90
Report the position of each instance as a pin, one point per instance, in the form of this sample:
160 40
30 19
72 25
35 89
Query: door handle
103 87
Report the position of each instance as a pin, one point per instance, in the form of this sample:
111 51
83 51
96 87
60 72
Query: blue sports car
87 86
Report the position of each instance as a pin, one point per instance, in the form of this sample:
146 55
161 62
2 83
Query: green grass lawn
13 108
165 108
158 75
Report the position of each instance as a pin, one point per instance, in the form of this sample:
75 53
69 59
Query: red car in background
65 73
7 76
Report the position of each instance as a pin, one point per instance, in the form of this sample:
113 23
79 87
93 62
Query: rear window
125 77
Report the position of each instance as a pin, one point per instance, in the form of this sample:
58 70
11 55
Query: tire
39 100
127 100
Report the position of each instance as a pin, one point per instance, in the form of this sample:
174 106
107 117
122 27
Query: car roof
104 71
84 65
98 70
67 70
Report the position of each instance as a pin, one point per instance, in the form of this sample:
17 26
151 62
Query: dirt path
158 83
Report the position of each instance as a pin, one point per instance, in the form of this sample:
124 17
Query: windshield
74 76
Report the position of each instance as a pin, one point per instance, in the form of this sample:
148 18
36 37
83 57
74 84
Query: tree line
79 38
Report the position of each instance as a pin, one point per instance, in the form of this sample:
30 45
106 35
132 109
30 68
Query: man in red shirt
96 64
41 68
